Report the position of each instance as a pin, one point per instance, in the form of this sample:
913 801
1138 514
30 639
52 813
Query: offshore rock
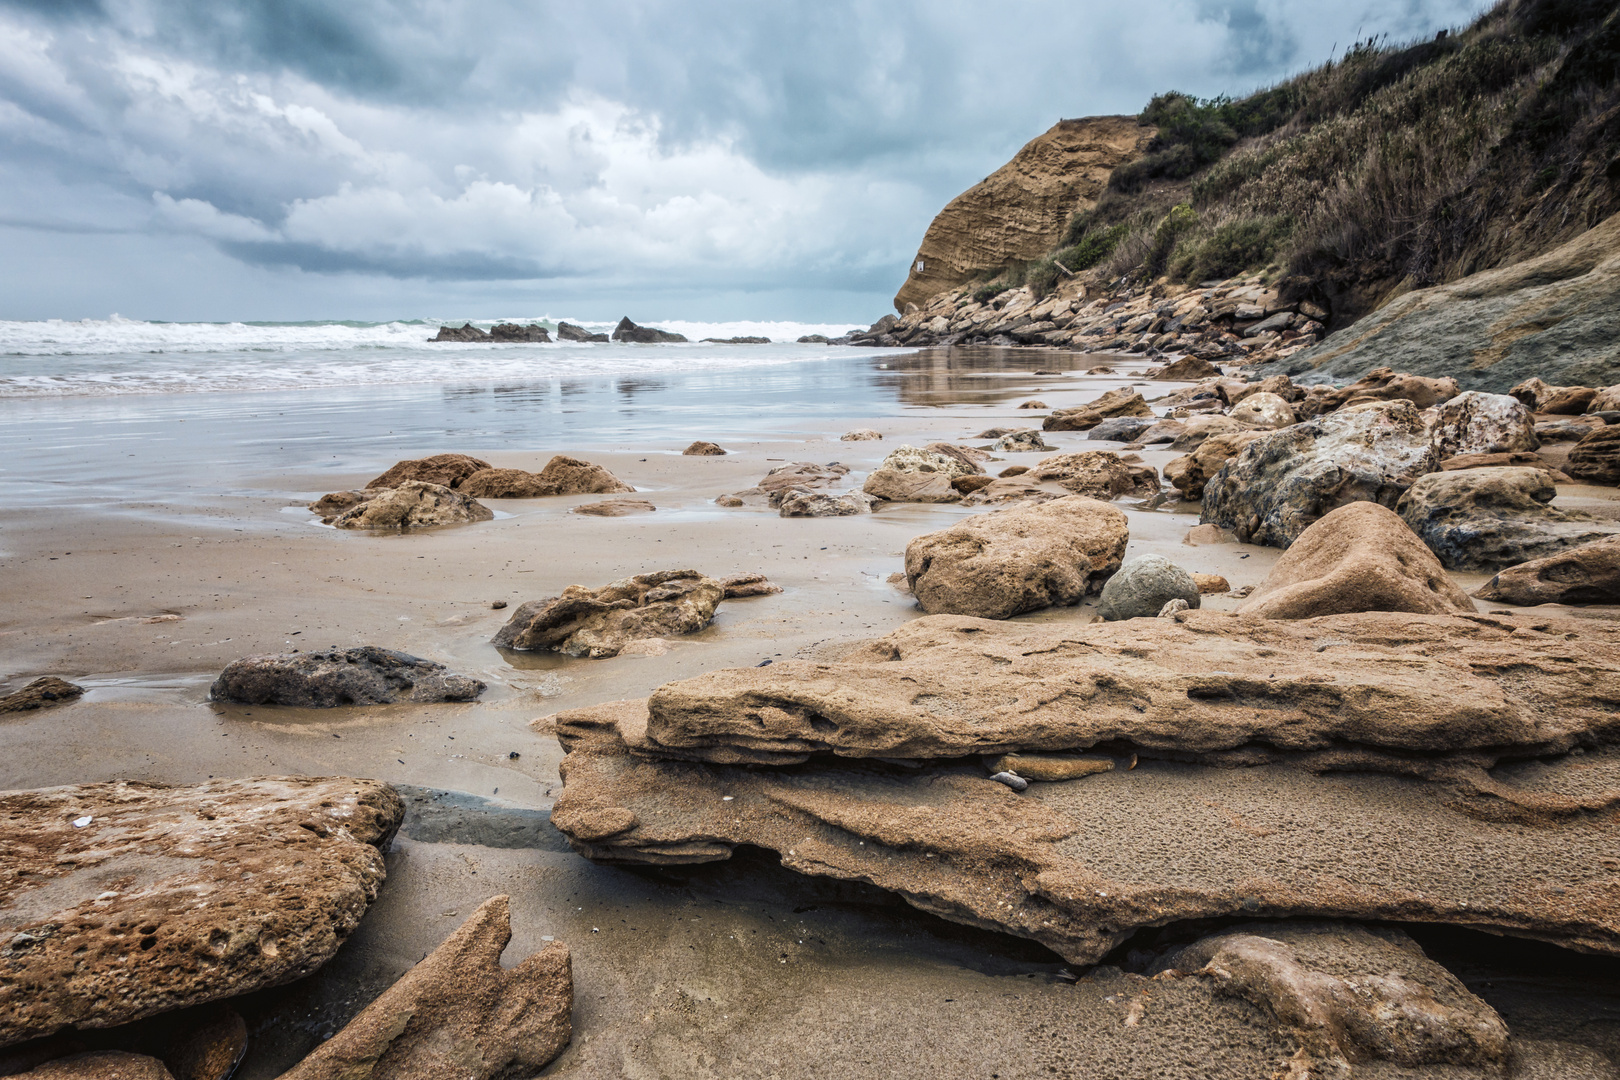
597 623
1476 423
1589 574
465 332
1121 402
1360 557
414 504
447 470
1002 564
1283 482
325 679
643 335
1143 587
514 332
458 1013
563 475
1488 519
169 896
567 331
42 693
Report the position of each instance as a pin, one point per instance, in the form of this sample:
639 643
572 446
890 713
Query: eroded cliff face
1020 210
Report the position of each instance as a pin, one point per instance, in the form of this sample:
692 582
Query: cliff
1020 211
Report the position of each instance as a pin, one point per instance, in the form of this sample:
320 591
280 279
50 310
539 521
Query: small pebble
1012 780
497 605
513 756
762 663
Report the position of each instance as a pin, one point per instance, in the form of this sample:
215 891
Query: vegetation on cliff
1390 168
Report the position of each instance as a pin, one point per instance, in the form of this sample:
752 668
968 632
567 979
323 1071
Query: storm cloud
728 158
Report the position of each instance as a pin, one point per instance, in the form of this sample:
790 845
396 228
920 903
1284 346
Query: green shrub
1092 248
1230 249
989 291
1177 223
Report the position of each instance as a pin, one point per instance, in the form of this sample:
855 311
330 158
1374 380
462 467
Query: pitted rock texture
1121 402
1489 519
1283 482
1476 423
597 623
458 1013
173 896
1097 474
562 475
1027 441
805 475
1263 410
1019 212
1189 473
1595 459
1360 557
800 503
1377 686
1535 395
1588 574
1007 562
42 693
325 679
1142 587
414 504
1381 384
446 470
702 448
861 435
102 1065
1080 865
739 586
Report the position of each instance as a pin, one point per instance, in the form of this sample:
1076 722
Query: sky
711 159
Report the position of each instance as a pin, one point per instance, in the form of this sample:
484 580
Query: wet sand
181 564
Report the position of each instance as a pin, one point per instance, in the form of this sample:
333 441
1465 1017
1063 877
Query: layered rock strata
599 623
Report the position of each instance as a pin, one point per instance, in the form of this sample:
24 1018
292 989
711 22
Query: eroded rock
1097 474
42 693
1263 410
644 335
1488 519
1380 384
1121 402
704 449
805 475
1189 473
861 435
615 508
798 502
414 504
738 586
1596 458
597 623
325 679
1588 574
447 470
1476 423
563 475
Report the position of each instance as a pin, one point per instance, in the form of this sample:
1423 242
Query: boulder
42 693
1028 441
1537 396
1121 402
967 485
447 470
1596 458
567 331
1204 534
465 332
514 332
615 508
1142 588
861 435
1187 369
1211 584
1003 490
458 1013
1476 423
703 449
328 678
563 475
1588 574
813 339
1097 474
738 586
1189 473
1121 428
805 475
1002 564
966 457
1280 385
1013 470
127 899
414 504
1284 481
1607 400
1488 519
1189 434
1033 403
597 623
1383 384
798 502
1168 431
1263 410
643 335
1360 557
909 474
333 503
1572 430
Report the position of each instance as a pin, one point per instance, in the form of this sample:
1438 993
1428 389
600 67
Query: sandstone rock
1476 423
1588 574
465 332
42 693
1211 584
414 504
447 470
598 623
1263 410
1022 442
1488 519
1556 316
325 679
1189 474
1596 458
563 475
1537 396
514 332
1607 400
1383 384
1013 470
1001 491
615 508
1034 404
1191 432
1005 563
1360 557
1097 474
803 503
1168 431
860 435
806 475
966 457
1050 768
169 897
966 485
567 331
703 449
1187 369
1285 480
893 485
738 586
643 335
1572 430
1280 385
105 1064
1522 458
458 1013
1204 534
1019 212
1351 994
333 503
1121 428
1101 370
212 1047
1142 588
1121 402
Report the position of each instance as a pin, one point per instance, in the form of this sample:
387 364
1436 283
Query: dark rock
1121 428
40 694
737 341
643 335
1588 574
447 470
1488 519
514 332
361 675
813 339
468 332
567 331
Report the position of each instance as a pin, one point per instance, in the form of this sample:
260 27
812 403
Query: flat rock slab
324 679
1080 865
1201 684
122 900
41 694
